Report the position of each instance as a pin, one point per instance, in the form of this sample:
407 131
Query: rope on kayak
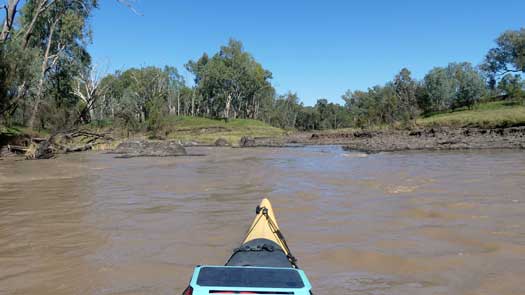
277 233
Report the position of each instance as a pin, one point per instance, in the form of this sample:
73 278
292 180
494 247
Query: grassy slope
205 130
20 131
201 130
485 115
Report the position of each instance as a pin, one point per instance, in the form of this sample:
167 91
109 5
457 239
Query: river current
388 223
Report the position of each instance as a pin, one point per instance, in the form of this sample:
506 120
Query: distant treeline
48 81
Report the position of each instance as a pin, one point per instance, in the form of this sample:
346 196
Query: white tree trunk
43 71
228 105
178 103
193 103
10 11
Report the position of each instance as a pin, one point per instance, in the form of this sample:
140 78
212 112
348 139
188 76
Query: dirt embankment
425 139
399 140
442 138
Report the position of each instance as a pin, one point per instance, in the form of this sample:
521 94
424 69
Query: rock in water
150 149
247 142
127 147
221 142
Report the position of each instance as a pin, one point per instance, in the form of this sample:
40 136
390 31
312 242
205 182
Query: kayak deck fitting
263 264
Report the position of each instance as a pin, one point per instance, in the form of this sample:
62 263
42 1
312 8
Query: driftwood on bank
41 150
70 141
16 149
81 148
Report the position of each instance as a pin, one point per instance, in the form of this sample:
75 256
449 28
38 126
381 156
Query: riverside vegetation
50 86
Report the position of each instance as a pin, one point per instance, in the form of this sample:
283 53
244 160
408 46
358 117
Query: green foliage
471 86
512 86
18 71
45 56
286 108
231 83
457 85
394 102
508 56
406 89
40 60
141 95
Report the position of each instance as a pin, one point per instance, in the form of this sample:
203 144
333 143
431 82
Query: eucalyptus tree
88 90
10 9
470 85
405 89
457 85
59 28
440 88
364 107
512 86
231 82
329 115
508 56
285 111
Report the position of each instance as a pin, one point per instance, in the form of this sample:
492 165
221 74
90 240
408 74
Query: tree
440 89
18 71
308 118
88 90
508 56
470 85
512 86
457 85
405 89
59 29
10 13
285 111
231 83
366 108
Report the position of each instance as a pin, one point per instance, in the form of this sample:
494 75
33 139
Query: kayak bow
264 244
263 264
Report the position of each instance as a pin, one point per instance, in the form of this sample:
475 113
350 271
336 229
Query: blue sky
318 49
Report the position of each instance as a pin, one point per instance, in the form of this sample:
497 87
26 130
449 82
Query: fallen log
38 139
17 149
82 148
42 150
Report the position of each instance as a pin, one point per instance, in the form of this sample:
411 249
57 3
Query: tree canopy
508 56
48 81
231 83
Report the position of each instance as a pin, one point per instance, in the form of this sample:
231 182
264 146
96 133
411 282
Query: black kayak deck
259 252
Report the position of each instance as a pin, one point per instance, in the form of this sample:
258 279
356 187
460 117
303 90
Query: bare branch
89 91
129 5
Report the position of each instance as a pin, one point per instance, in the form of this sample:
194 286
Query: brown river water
388 223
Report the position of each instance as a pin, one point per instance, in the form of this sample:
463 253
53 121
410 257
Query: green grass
21 131
483 115
205 130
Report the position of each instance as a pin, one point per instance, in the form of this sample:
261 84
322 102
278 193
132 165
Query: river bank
427 139
497 127
389 140
369 141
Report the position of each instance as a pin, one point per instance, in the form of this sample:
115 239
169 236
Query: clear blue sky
318 49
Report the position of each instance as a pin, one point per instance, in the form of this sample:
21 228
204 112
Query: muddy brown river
390 223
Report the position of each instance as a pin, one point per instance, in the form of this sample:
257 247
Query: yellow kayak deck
264 244
265 226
